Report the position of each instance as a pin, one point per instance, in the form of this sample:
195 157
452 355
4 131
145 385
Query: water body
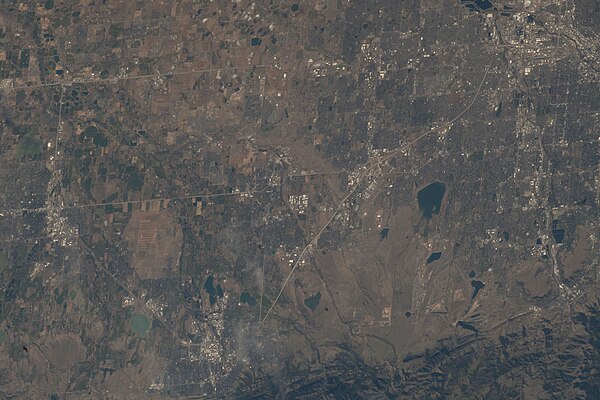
472 274
467 326
559 234
433 257
213 291
2 337
313 301
384 232
483 4
411 357
477 286
477 5
140 324
247 298
430 198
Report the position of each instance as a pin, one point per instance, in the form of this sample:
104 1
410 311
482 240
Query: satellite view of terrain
286 199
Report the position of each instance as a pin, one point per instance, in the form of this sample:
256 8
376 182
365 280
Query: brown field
155 241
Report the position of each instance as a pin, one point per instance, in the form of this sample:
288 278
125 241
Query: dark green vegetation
3 261
140 324
30 146
95 136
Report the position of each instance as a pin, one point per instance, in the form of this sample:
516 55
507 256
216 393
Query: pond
140 324
434 256
247 298
313 301
477 286
430 198
384 233
559 234
477 5
213 291
467 326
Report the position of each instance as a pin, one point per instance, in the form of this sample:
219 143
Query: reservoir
247 298
467 326
383 233
477 286
433 257
213 292
430 198
559 235
313 301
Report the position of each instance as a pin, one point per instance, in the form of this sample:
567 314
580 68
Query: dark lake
247 298
483 4
384 232
466 325
477 286
430 198
477 5
434 256
559 234
313 301
213 291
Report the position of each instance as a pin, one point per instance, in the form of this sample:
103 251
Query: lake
477 286
213 291
383 233
434 256
430 198
313 301
247 298
468 326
